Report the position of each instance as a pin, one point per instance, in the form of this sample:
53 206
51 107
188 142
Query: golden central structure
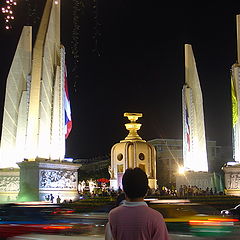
132 152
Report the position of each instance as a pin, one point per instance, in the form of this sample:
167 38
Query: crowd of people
184 191
190 191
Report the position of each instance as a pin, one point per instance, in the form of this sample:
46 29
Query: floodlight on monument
200 161
43 146
181 170
12 157
30 154
57 153
195 161
68 159
231 163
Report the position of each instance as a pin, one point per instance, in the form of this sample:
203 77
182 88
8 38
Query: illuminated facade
36 113
132 152
235 93
232 169
33 118
194 140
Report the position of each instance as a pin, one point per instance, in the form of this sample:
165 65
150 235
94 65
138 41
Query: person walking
134 219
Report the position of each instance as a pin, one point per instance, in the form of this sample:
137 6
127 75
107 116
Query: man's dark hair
135 183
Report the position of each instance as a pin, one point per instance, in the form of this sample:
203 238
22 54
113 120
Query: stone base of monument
48 180
232 179
9 184
202 180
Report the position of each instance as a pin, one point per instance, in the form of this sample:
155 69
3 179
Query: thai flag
67 109
187 131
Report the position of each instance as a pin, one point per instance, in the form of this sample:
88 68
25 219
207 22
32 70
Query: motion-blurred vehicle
94 229
197 220
56 237
20 218
184 220
235 212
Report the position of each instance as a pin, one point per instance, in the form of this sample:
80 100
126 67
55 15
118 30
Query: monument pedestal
232 179
9 184
200 179
41 179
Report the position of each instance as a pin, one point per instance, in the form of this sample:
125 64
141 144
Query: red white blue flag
187 131
67 108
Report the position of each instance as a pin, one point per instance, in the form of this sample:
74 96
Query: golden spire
133 127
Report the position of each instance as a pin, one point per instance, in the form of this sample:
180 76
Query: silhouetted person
51 198
58 200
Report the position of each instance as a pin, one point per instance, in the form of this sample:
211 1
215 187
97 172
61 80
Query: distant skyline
137 65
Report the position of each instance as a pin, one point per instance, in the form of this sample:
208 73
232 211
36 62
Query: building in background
94 167
170 157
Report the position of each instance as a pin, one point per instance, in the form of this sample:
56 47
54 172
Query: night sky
128 56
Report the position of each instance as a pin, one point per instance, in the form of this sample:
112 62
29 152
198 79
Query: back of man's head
135 183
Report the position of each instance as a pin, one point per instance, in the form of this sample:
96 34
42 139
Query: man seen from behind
134 220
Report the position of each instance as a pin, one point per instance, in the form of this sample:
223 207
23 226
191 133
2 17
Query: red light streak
212 221
57 227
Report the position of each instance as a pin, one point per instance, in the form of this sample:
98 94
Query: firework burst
8 13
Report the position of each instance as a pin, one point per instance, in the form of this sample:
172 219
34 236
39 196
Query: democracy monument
232 169
132 152
37 121
195 162
36 117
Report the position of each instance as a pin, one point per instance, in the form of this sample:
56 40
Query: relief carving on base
9 184
61 179
233 181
